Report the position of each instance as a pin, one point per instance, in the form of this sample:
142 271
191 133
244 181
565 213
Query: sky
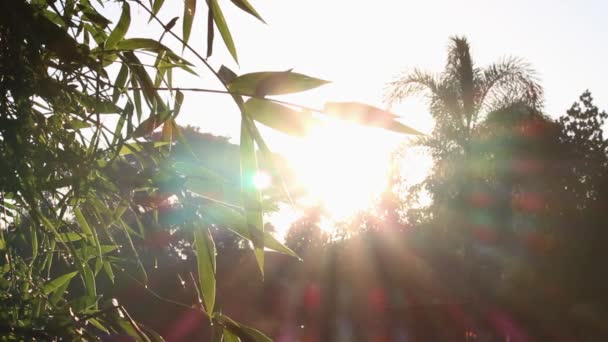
360 46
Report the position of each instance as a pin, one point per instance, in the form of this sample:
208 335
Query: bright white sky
361 45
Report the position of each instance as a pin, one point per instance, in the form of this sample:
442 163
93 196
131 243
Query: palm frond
509 80
411 83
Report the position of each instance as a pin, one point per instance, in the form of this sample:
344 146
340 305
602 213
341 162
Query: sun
343 166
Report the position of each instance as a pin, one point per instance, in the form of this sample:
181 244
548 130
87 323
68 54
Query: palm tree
463 92
460 98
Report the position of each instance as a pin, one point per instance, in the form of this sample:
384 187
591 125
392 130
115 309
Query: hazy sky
361 45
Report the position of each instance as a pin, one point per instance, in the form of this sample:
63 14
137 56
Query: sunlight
262 180
343 166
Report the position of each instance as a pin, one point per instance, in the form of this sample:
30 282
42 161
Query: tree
459 99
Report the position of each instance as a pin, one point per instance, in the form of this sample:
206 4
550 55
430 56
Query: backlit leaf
278 116
189 10
205 257
121 28
220 22
56 283
250 195
120 82
246 6
367 115
273 83
157 6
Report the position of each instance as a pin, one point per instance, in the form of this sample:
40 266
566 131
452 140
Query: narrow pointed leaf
220 22
246 6
236 222
58 282
210 33
273 83
107 267
250 195
367 115
89 282
242 331
86 229
278 116
121 28
120 82
157 6
205 257
179 99
189 10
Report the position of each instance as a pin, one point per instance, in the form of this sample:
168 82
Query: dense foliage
84 185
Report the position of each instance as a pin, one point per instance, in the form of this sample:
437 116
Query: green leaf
367 115
179 99
205 257
250 334
120 82
278 116
273 83
250 195
220 22
60 292
89 282
82 222
246 6
189 10
230 337
139 146
69 237
156 7
148 44
121 28
236 222
86 229
107 267
58 282
242 331
98 325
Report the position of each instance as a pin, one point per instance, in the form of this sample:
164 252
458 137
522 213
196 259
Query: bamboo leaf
210 33
220 22
107 267
121 28
156 6
82 222
120 82
58 282
205 257
367 115
69 237
189 10
89 282
279 117
230 337
236 222
273 83
226 75
246 6
250 195
139 146
242 331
